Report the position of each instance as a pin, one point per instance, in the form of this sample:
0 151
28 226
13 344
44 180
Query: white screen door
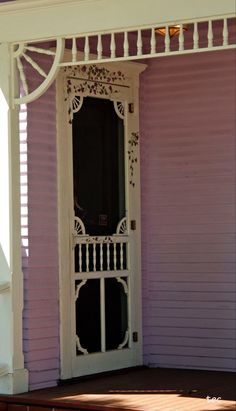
103 274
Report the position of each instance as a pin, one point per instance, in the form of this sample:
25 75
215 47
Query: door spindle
87 258
115 256
101 256
121 256
108 256
94 257
80 258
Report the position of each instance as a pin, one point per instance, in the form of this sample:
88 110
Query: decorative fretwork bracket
25 59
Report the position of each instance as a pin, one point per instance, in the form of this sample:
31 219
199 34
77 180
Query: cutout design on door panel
105 326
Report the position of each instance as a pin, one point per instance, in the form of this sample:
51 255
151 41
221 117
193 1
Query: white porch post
13 376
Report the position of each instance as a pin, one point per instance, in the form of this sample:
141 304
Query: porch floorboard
137 389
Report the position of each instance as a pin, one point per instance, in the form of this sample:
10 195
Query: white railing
103 253
121 45
147 42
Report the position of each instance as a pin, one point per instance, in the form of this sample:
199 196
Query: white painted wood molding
4 286
4 370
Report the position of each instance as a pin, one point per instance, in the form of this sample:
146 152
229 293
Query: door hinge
133 224
135 336
131 108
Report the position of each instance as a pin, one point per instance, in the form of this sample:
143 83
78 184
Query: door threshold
75 380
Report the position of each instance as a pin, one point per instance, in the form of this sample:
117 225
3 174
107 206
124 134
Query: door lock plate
133 224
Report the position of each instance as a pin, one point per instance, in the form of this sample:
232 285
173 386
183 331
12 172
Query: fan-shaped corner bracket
49 77
119 109
122 226
76 102
79 227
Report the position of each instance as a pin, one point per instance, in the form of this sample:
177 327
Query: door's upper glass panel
98 166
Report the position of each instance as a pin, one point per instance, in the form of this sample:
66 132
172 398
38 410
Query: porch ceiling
27 20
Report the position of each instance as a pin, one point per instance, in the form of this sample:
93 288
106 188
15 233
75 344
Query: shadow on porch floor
136 389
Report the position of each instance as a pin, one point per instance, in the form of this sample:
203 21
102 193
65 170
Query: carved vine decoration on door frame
132 153
93 80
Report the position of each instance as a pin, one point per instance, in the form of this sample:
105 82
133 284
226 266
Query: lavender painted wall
41 311
188 211
188 215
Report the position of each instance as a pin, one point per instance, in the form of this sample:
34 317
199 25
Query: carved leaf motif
132 153
95 80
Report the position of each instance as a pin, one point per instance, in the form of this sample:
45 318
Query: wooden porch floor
137 389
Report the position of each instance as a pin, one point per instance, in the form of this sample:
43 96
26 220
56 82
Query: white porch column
13 376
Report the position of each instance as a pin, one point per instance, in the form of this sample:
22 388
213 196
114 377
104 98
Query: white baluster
113 46
94 257
74 50
86 49
225 33
195 36
115 257
181 38
80 258
126 44
127 260
108 256
87 258
153 41
210 34
121 257
167 40
101 256
99 47
139 43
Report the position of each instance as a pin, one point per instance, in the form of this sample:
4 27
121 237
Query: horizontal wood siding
41 313
188 218
188 113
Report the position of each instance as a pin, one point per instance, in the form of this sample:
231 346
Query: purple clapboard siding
188 211
187 114
41 306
